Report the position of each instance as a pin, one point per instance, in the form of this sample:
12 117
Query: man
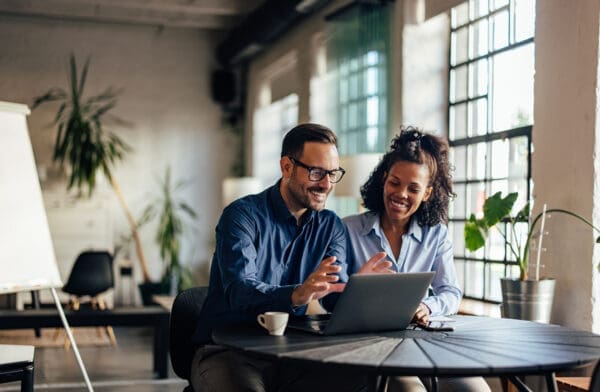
276 251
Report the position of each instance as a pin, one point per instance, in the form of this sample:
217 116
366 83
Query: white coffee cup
274 322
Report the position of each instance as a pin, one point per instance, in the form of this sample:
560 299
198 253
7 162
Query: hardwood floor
125 367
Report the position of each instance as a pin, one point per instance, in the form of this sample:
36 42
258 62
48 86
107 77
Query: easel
26 251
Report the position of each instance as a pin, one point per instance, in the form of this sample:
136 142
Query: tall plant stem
134 229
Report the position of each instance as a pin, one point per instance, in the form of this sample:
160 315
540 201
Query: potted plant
524 298
171 212
84 145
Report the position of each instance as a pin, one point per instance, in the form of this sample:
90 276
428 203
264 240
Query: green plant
170 211
497 209
84 145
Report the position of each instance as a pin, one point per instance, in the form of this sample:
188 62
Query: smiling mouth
318 194
399 204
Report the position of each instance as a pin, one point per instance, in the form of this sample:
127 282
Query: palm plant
497 209
83 144
171 212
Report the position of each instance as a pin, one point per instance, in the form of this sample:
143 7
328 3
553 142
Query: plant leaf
474 234
497 208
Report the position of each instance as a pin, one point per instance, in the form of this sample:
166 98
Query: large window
357 57
490 120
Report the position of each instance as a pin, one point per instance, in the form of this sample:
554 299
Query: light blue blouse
424 248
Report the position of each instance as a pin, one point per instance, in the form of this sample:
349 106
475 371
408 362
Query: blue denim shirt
424 248
262 255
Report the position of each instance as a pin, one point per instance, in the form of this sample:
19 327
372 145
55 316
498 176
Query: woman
407 199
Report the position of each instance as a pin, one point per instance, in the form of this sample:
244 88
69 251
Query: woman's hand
377 264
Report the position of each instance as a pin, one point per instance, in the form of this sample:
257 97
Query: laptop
373 302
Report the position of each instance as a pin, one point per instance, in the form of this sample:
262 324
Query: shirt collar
281 211
371 222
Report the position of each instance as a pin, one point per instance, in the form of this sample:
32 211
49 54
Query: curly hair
414 145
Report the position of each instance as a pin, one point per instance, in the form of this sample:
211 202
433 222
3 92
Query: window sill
478 308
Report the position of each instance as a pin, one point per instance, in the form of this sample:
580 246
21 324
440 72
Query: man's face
301 191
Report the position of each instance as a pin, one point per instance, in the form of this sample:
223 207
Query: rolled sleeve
446 292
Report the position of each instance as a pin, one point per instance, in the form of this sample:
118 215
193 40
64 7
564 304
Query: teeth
399 204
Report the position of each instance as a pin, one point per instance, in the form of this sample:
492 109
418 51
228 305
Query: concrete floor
126 367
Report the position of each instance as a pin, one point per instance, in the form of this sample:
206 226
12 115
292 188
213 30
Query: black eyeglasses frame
316 174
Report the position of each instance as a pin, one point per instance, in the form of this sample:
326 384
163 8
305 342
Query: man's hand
319 283
377 264
422 314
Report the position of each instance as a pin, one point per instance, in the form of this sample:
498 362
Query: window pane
459 202
371 87
519 155
493 290
458 84
478 43
524 19
344 90
500 159
500 30
513 88
459 158
477 117
458 121
473 279
478 8
475 199
458 238
495 244
460 272
460 14
476 155
459 41
519 186
478 78
499 186
499 3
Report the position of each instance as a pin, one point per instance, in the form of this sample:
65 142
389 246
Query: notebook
374 302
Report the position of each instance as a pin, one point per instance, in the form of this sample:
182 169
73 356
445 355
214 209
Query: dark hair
413 145
293 142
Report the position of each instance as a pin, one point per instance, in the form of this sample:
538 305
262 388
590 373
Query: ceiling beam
204 14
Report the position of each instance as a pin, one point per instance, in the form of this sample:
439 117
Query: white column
566 152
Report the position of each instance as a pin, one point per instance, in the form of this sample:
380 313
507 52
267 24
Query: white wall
165 75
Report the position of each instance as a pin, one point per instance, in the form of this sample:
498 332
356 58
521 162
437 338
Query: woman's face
405 187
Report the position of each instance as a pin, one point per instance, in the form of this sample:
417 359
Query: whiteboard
27 260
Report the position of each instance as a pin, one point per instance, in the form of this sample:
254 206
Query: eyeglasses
316 174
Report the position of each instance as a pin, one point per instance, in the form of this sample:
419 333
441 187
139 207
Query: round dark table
479 346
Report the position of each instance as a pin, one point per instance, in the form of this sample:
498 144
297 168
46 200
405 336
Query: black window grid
469 262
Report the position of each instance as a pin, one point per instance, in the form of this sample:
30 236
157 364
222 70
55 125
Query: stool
16 364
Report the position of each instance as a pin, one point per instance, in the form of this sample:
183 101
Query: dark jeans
215 368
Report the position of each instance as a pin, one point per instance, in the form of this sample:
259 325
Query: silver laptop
374 302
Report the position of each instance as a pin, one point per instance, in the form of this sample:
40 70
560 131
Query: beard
312 197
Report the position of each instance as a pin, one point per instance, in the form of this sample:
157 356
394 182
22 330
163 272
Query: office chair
184 316
92 274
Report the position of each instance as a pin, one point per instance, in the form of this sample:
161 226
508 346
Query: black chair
184 316
91 275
